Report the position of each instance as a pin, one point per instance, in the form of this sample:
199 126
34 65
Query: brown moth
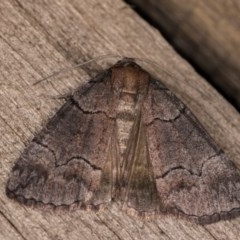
124 137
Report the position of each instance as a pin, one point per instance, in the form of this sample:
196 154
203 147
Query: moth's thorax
131 83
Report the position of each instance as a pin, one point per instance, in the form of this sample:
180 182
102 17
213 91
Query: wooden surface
207 33
38 38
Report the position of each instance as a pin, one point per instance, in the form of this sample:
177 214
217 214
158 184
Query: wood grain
38 38
205 32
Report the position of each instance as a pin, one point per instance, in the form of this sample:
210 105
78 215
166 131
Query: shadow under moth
124 137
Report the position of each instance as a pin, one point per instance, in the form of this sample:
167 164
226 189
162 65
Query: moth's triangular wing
63 164
193 177
171 164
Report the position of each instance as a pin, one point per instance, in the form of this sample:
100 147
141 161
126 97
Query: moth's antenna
146 60
76 66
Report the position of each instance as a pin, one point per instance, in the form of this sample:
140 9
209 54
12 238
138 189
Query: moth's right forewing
193 177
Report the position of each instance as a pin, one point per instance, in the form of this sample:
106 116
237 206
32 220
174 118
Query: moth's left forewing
63 164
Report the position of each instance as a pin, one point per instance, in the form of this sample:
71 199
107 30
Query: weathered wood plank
40 37
205 32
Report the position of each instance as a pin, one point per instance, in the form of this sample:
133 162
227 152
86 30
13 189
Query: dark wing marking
193 177
63 164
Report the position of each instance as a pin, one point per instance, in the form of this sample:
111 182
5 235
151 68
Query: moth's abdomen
126 114
132 83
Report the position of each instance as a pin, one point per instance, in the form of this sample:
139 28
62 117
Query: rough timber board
40 37
206 32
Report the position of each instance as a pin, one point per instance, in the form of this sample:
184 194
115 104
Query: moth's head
126 62
129 77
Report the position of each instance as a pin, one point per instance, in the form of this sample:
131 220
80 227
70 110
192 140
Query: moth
124 137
